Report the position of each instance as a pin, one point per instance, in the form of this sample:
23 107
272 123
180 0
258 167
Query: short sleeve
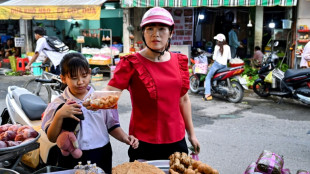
40 45
112 119
183 62
122 74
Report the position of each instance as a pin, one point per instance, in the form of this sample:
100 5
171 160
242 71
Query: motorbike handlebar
45 80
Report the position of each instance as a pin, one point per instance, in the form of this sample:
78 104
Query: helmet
157 15
220 37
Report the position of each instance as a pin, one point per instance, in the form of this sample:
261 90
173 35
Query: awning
206 3
51 9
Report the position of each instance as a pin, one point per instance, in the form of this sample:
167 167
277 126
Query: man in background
43 47
233 40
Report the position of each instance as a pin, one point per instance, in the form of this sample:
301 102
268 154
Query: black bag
56 44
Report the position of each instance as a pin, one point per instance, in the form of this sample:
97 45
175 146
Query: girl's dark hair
221 45
40 31
73 63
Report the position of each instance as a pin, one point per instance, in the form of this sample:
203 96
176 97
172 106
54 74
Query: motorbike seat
290 73
32 105
227 69
222 70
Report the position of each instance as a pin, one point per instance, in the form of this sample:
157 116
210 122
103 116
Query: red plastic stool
21 63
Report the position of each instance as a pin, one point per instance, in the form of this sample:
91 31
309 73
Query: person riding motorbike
220 56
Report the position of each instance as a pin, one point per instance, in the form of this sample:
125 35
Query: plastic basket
286 24
36 69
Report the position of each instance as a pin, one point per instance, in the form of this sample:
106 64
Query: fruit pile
15 134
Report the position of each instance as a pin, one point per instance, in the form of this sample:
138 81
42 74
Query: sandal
209 98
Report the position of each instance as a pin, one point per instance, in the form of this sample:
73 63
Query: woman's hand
133 141
195 143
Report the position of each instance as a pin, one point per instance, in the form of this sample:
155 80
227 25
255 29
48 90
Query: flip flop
209 98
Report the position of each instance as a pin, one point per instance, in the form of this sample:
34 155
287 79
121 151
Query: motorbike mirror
276 43
95 71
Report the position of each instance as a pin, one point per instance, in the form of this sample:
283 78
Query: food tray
19 147
161 164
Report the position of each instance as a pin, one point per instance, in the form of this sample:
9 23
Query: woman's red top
155 89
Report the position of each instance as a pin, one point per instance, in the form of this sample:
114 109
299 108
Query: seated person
9 48
257 59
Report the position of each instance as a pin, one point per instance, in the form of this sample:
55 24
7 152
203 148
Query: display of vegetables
13 135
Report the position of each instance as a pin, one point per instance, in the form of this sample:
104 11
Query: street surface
231 135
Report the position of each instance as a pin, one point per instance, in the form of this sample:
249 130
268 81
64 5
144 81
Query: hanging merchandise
103 38
94 35
107 38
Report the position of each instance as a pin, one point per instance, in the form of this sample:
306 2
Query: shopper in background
234 43
305 57
220 56
257 59
42 46
157 80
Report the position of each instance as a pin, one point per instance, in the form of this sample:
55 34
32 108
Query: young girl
93 135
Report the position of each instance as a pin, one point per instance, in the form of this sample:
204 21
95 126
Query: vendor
157 80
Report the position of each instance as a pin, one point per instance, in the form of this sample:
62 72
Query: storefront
53 15
302 30
253 17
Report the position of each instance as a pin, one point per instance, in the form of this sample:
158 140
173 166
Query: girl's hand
195 144
69 109
133 141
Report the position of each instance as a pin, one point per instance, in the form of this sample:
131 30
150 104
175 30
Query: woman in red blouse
158 81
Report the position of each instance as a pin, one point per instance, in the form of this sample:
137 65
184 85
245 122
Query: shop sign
19 41
50 12
183 26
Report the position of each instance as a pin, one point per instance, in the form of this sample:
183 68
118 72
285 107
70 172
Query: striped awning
50 9
206 3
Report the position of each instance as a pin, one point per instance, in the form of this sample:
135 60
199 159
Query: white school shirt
222 59
94 129
54 56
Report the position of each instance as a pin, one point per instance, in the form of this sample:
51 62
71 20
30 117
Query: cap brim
156 21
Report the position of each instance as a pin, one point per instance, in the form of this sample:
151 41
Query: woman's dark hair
171 28
257 48
40 31
221 45
73 63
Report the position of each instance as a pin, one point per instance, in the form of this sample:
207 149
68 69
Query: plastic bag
268 78
31 158
269 162
201 68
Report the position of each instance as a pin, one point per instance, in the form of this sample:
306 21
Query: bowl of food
104 99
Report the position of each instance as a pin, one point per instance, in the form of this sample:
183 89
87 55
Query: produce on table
13 135
180 163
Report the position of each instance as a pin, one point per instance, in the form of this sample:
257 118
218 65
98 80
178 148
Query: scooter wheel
261 88
194 84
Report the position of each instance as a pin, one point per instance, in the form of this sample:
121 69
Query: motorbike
226 82
293 83
26 108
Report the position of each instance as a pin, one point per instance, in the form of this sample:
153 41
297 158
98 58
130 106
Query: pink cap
157 15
